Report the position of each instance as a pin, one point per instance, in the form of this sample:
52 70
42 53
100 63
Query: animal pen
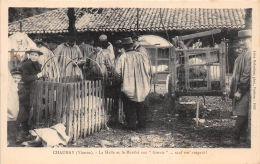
84 106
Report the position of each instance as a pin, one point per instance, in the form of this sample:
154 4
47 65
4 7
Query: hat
38 41
103 38
71 38
134 36
34 50
127 40
16 71
118 43
244 34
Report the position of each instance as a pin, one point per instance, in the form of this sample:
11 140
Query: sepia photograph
149 80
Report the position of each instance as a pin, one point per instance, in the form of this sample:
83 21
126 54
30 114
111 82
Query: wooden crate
80 105
198 72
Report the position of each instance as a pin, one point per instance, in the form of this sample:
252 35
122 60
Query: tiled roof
125 19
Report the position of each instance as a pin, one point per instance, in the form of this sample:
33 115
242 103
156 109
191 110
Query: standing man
96 66
134 69
31 71
109 46
72 51
119 50
240 87
86 49
137 45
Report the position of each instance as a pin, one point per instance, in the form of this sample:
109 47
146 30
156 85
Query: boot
240 121
23 129
21 136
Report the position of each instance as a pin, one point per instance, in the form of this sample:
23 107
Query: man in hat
96 66
134 69
86 49
49 67
137 45
240 87
119 50
31 71
107 45
69 56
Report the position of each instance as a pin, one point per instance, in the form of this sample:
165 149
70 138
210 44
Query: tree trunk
72 19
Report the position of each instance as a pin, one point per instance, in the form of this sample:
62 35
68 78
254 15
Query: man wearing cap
31 71
134 69
240 87
108 46
67 52
49 67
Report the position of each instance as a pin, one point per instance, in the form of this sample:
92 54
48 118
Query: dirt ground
165 130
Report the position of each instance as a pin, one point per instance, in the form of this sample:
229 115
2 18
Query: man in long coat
240 87
107 45
134 69
96 66
69 55
86 49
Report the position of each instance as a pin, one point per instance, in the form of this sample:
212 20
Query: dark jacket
30 70
241 74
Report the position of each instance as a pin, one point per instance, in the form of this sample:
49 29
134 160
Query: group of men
129 64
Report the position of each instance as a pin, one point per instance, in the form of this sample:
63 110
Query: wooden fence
84 107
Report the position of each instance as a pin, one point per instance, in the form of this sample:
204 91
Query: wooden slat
209 78
64 103
200 34
85 109
96 106
100 104
34 99
156 65
186 65
82 116
223 72
89 107
79 109
46 106
92 108
59 103
75 111
39 103
51 100
70 110
105 105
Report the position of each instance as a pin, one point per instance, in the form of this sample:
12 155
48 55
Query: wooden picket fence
82 106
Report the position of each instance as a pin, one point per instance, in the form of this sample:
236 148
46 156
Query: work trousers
135 113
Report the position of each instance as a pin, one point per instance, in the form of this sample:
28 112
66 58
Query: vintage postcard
133 81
